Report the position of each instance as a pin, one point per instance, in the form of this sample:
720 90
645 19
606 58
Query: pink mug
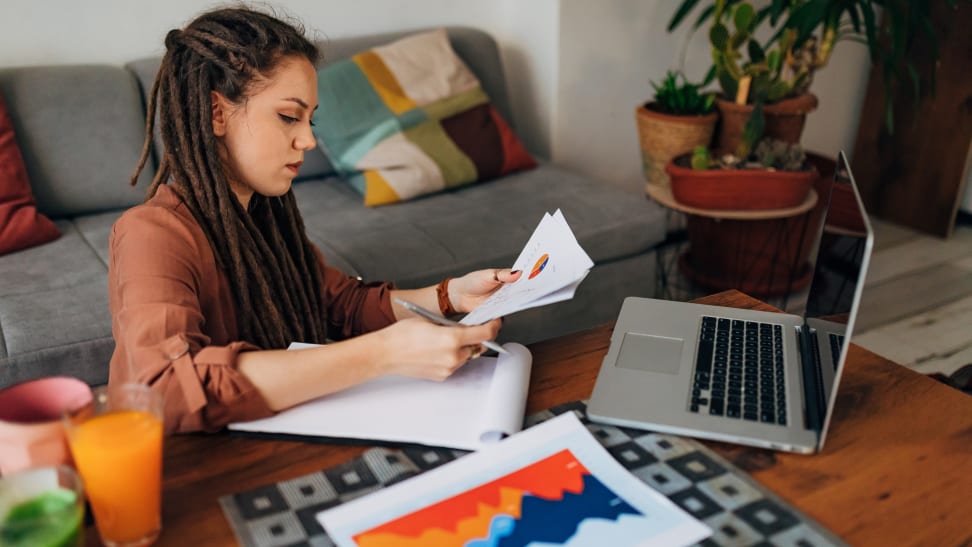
31 427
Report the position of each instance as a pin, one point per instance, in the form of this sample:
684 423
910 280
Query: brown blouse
174 320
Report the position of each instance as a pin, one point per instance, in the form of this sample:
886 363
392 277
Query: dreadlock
271 266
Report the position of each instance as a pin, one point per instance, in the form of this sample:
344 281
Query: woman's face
262 140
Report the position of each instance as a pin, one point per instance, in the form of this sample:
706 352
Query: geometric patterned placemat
739 510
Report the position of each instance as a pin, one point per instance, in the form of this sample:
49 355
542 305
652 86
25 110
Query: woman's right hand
415 347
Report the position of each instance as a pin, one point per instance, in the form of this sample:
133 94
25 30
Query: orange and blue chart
549 501
552 484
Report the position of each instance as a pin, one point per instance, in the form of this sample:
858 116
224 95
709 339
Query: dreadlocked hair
272 267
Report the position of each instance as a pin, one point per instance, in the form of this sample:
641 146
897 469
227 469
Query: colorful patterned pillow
409 118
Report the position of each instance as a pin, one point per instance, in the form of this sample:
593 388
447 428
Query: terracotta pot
765 258
664 136
738 189
784 120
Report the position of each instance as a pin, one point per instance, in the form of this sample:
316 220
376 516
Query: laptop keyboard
739 371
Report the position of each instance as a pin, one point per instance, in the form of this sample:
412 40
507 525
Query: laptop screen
838 279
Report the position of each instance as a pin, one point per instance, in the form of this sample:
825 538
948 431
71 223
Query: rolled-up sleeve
353 306
156 283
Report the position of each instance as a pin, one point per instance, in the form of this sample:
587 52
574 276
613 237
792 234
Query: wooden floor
917 304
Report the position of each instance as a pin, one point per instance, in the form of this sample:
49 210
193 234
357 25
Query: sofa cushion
478 227
95 231
409 118
54 310
475 47
21 226
80 130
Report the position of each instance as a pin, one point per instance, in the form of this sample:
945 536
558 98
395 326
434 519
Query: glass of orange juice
116 442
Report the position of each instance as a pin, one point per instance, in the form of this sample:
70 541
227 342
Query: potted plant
758 78
680 117
749 219
777 73
761 81
752 212
776 175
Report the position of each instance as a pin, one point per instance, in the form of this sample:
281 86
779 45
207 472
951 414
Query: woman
213 276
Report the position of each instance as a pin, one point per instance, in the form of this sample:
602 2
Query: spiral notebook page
480 404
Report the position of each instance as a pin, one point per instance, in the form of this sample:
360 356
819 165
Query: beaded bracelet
442 293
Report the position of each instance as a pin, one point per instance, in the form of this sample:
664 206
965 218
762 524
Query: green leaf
870 29
728 84
719 36
807 18
777 90
776 10
759 89
709 76
738 39
752 132
756 53
677 95
802 80
743 17
703 17
680 13
773 60
897 23
700 158
855 17
761 16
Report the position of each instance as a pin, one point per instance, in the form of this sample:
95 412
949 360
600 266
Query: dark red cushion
21 225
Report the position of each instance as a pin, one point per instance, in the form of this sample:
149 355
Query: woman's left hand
469 291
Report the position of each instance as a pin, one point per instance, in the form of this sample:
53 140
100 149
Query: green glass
42 508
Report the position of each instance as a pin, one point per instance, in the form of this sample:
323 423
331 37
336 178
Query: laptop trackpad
650 353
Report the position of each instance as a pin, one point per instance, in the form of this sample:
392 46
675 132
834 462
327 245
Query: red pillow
21 226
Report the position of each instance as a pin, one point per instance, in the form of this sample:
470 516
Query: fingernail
514 272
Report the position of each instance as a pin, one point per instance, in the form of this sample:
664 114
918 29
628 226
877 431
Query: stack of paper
478 405
553 266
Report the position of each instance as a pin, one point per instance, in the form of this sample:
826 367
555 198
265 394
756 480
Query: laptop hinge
815 405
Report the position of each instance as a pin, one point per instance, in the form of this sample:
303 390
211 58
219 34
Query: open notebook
480 404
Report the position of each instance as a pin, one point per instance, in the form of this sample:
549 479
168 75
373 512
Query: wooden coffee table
896 468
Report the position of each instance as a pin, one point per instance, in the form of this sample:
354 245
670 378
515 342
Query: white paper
479 404
553 265
554 478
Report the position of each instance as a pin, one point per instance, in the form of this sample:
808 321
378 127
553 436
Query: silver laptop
743 376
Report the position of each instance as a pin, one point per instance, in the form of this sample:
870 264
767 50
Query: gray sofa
80 130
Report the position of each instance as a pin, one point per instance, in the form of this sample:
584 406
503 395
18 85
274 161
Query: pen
419 310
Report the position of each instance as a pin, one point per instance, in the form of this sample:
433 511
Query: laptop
743 376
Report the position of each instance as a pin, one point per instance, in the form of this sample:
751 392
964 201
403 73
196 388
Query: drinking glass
42 507
116 441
